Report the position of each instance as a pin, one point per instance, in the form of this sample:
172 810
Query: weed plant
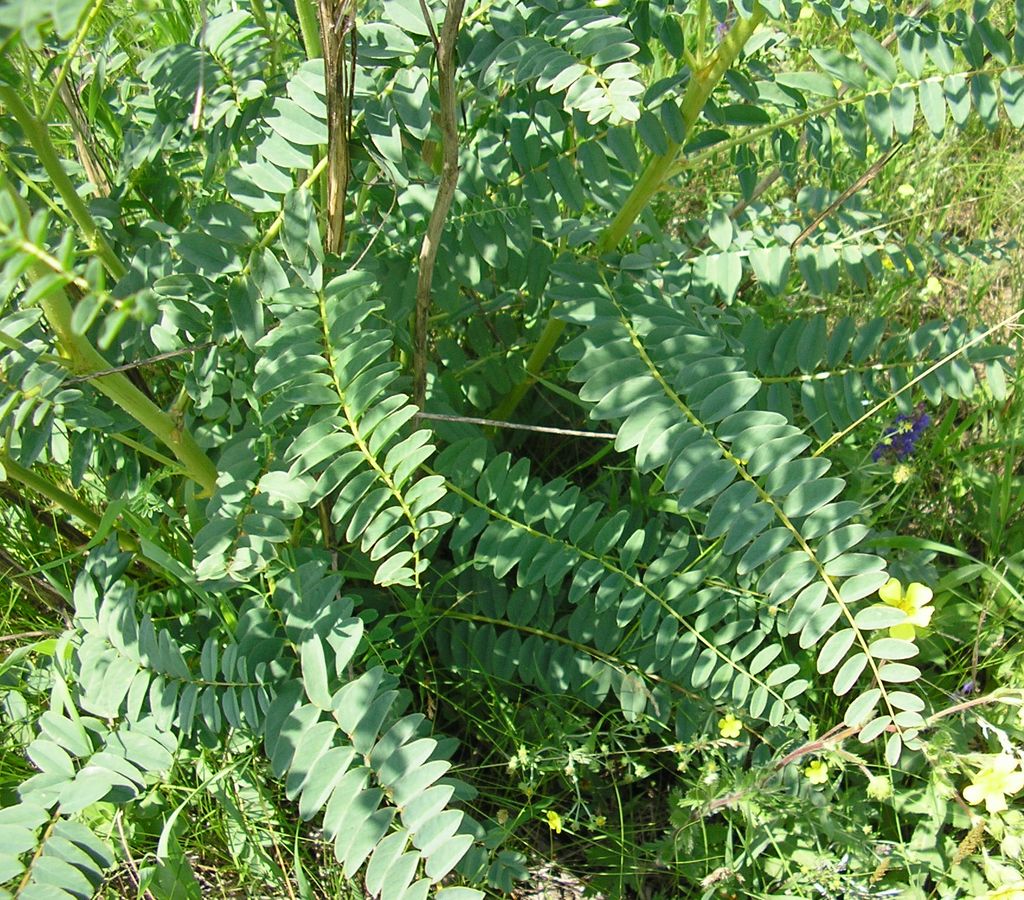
547 449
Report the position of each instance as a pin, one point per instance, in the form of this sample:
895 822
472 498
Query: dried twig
37 589
85 140
854 188
445 190
140 363
133 869
498 423
25 636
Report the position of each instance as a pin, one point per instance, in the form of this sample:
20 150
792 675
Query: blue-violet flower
902 436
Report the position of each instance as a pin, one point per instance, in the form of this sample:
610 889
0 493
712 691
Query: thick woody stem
445 46
337 28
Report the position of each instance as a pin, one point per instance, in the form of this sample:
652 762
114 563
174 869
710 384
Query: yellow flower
729 726
879 788
902 473
994 782
933 287
817 772
913 601
554 821
1013 891
887 263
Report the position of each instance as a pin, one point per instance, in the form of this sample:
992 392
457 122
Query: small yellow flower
729 726
599 821
910 265
879 788
906 191
994 782
913 601
817 772
554 821
887 263
1013 891
932 287
902 473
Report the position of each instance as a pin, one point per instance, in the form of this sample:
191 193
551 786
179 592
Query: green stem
260 15
50 491
696 97
72 50
653 178
310 27
39 137
547 342
84 359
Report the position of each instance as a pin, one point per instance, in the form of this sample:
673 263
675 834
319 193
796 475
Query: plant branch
835 736
140 363
495 423
658 170
698 91
39 137
854 188
445 192
85 360
306 12
338 26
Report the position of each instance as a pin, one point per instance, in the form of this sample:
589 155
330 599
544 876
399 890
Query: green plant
242 317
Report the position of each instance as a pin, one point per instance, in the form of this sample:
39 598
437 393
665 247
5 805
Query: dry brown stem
445 48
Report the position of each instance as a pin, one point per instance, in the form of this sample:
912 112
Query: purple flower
902 436
722 28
